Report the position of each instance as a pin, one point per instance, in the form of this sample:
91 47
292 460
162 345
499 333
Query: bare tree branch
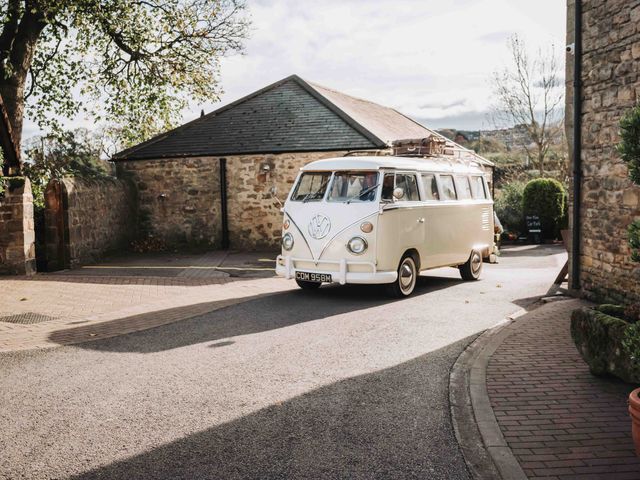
529 94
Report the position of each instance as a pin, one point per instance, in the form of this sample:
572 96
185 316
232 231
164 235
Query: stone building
210 181
609 202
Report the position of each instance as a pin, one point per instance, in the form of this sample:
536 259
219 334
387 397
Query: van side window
477 188
464 188
409 184
388 184
430 187
448 187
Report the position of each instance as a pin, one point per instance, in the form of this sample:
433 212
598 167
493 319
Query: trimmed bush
508 206
604 342
546 198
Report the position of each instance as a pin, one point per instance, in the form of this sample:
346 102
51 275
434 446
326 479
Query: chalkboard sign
533 224
534 227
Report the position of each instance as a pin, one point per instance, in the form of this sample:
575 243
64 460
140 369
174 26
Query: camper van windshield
354 187
311 187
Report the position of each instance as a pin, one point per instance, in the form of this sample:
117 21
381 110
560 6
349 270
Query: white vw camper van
384 219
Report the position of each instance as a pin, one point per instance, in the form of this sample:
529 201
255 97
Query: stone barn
210 181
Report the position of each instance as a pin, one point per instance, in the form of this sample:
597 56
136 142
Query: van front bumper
286 267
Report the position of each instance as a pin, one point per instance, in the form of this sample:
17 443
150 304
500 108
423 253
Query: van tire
305 285
472 269
408 273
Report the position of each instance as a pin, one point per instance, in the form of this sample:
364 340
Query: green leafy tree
508 206
75 153
136 61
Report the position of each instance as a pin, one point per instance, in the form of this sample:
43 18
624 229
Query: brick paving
124 296
560 421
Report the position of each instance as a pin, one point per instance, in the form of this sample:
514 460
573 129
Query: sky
430 59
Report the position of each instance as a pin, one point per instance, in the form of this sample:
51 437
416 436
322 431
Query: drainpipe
223 203
577 147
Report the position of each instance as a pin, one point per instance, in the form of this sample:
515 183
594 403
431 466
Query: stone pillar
17 234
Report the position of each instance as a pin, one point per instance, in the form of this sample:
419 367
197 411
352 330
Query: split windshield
354 187
311 187
344 187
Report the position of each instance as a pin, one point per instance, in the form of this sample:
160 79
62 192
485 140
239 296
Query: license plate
313 277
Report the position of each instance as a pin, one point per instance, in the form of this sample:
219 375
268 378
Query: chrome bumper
342 276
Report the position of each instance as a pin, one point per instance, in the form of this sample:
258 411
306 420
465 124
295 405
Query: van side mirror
398 193
273 191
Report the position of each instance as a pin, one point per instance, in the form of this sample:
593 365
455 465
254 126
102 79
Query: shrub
634 240
508 206
631 343
608 344
546 198
629 150
629 146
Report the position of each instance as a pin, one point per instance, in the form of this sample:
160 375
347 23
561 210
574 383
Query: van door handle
421 220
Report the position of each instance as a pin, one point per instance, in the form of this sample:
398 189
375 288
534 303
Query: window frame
377 191
442 190
423 186
415 177
459 180
294 192
485 189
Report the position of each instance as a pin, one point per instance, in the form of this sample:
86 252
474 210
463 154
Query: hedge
546 198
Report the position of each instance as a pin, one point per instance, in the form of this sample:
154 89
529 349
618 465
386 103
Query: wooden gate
56 226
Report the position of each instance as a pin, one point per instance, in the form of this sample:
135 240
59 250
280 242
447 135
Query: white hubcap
476 263
407 275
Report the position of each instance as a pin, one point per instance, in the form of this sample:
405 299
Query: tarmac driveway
335 383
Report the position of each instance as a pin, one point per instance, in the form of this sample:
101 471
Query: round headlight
366 227
286 224
287 241
357 245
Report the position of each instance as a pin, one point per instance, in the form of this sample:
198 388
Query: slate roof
291 115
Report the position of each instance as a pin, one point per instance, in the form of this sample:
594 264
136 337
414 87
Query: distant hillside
508 138
506 146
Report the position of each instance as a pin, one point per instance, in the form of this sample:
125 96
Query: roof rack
368 153
435 146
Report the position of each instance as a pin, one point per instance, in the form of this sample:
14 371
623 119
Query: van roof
427 164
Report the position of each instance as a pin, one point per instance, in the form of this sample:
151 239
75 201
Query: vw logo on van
319 226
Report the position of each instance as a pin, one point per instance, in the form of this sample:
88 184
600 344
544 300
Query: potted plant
608 339
634 413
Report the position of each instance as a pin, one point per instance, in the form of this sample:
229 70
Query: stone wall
179 199
611 86
17 236
255 220
86 219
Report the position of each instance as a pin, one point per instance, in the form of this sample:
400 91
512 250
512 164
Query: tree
135 61
529 93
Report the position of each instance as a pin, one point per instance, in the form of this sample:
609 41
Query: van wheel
472 269
407 277
305 285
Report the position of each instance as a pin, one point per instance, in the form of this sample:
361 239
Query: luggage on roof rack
431 145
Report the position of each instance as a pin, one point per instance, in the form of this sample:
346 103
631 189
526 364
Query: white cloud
430 59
